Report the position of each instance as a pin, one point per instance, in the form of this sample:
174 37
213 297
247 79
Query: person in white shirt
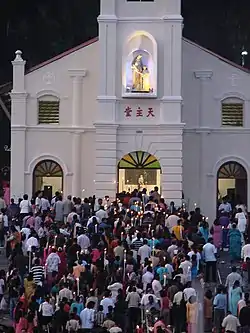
38 202
52 262
31 243
25 233
106 302
144 251
45 205
87 316
83 241
65 292
157 287
209 253
101 213
242 223
186 266
114 289
171 221
172 248
189 291
25 206
230 323
147 278
46 310
245 252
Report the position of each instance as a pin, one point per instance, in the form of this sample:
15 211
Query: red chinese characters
139 112
150 112
128 112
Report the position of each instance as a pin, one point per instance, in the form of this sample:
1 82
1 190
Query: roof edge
223 59
62 55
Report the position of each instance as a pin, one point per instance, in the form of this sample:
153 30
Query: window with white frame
48 110
232 112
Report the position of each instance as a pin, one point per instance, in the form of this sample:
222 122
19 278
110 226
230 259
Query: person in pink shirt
7 194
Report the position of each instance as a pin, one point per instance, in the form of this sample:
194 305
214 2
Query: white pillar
18 128
76 163
77 76
204 77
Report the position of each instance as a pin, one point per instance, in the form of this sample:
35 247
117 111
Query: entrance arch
138 170
48 177
232 182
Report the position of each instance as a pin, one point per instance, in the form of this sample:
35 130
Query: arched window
232 112
48 109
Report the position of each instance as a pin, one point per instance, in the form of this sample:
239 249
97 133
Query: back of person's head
234 269
25 197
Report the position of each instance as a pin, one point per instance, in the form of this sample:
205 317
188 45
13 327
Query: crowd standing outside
129 265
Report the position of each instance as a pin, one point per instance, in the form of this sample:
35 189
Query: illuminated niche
140 66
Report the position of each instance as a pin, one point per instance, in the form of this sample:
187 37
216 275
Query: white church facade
138 106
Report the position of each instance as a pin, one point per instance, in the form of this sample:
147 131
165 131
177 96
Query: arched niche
140 66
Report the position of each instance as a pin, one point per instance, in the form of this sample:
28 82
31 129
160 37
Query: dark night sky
44 28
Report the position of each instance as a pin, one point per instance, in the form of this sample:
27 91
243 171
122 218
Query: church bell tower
140 45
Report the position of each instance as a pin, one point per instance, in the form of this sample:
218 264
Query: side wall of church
207 81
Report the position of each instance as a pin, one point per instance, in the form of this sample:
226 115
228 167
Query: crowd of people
134 264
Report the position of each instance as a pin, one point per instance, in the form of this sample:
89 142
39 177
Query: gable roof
8 86
62 55
229 62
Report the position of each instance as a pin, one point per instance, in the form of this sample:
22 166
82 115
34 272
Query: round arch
232 182
138 170
48 176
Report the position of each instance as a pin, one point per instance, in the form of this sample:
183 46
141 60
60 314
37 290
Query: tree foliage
44 28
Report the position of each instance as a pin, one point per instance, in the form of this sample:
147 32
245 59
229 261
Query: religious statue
140 182
141 75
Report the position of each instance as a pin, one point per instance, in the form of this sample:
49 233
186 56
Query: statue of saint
140 76
140 182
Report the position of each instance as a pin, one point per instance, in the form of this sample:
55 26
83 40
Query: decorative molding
47 92
105 98
203 74
49 78
171 99
219 130
43 157
231 94
107 18
173 18
231 158
77 72
52 128
15 95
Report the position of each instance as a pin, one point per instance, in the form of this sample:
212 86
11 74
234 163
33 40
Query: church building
139 106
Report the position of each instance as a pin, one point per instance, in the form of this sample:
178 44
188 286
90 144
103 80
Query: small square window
48 112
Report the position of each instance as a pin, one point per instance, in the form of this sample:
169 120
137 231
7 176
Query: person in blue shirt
161 271
220 307
76 304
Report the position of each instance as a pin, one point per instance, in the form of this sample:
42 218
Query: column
77 76
106 160
76 164
18 128
204 77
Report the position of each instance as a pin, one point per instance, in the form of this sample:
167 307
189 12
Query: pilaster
76 164
203 76
77 75
106 160
18 125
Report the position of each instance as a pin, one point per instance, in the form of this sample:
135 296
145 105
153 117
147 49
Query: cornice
203 74
77 72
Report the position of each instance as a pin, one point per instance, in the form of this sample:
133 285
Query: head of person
234 269
25 197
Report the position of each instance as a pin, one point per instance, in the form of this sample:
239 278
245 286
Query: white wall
207 145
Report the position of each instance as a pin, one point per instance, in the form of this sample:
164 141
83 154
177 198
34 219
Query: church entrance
138 170
48 177
232 183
